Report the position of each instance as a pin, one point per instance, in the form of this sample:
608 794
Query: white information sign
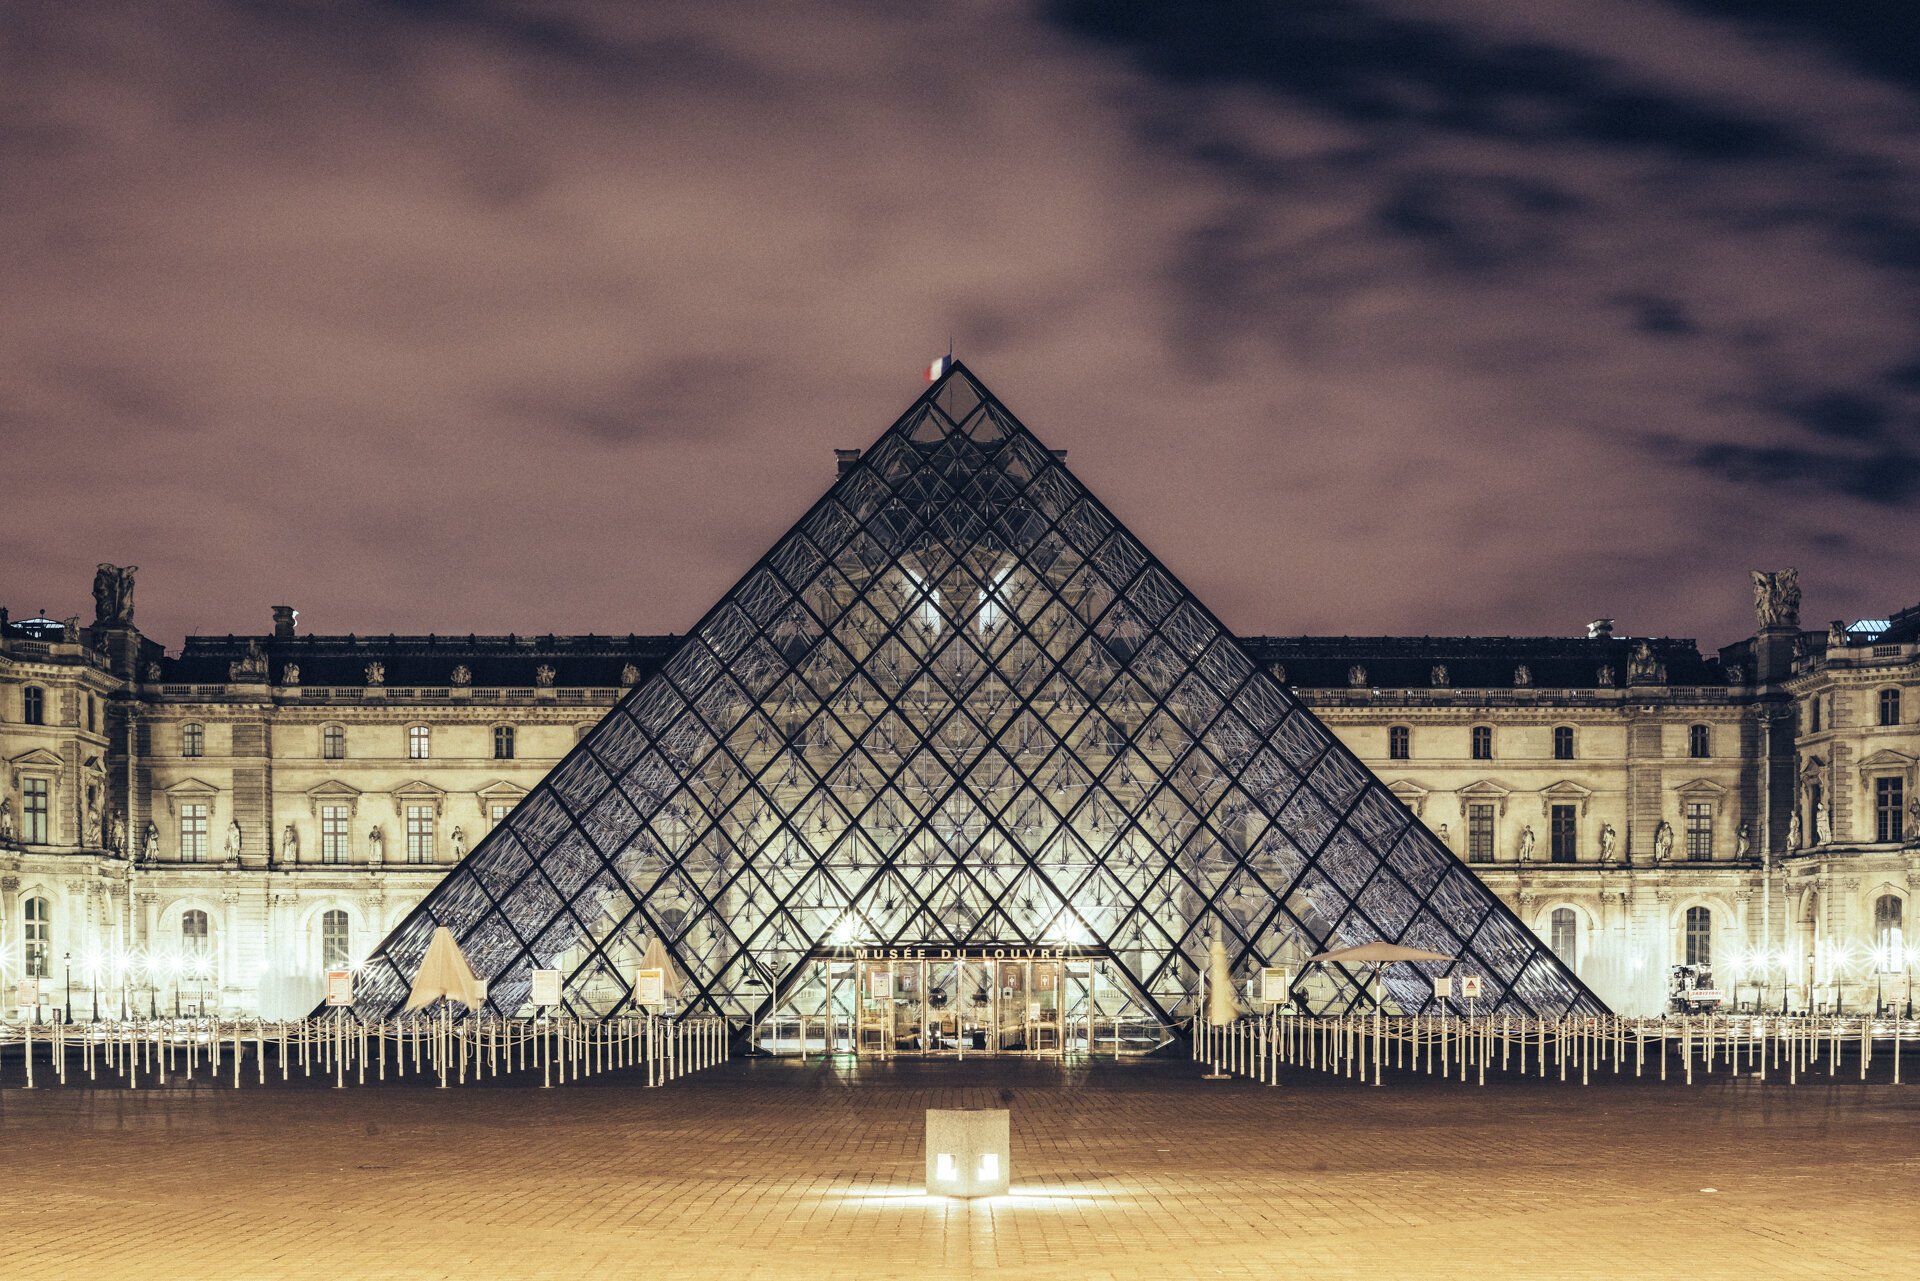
26 992
1470 987
650 987
1274 982
339 987
1443 987
880 984
546 987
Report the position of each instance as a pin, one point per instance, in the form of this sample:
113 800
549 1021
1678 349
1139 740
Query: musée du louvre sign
966 952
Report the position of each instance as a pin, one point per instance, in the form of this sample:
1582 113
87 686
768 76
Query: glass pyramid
958 703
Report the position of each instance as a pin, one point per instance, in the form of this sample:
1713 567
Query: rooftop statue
1776 597
113 594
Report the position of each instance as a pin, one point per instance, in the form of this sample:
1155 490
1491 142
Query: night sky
1448 316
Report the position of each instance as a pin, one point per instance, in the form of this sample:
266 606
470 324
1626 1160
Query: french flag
938 368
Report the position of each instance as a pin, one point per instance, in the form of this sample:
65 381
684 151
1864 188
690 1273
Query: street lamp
66 962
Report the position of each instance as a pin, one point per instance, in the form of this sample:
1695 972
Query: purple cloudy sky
1382 315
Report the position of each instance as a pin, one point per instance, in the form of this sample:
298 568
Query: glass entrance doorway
956 1004
959 1006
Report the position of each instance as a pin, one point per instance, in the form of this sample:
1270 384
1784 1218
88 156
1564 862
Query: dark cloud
1386 315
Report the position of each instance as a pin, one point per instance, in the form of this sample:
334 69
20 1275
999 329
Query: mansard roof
493 661
1476 662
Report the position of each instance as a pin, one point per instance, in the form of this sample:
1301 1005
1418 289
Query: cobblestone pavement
771 1170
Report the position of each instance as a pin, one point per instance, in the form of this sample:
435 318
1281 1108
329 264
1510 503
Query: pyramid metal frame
958 703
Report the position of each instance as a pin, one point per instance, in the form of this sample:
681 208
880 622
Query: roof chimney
284 617
1600 629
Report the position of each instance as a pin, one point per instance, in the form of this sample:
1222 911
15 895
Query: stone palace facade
215 829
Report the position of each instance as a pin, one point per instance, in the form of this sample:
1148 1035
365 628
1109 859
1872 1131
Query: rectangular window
336 940
1889 809
333 743
35 793
193 833
1480 833
1563 742
419 833
419 742
497 814
38 955
1483 742
1699 741
1699 830
1564 834
1699 936
333 833
1399 743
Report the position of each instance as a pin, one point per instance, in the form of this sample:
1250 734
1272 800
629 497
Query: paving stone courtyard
773 1170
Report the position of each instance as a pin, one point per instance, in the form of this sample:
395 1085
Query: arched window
1889 940
193 739
37 938
1399 743
1563 742
333 743
1699 949
33 705
336 939
419 742
503 742
1563 935
1483 742
1700 741
1889 707
195 932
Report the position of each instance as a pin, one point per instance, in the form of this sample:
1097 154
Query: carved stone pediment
1485 791
1885 761
419 792
1704 789
190 791
333 792
1565 792
1411 795
501 792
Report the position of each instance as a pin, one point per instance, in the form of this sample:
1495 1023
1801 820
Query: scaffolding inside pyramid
960 705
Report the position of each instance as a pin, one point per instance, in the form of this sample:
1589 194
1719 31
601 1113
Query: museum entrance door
959 1006
957 1002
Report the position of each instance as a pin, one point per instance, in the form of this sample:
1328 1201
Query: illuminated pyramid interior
959 704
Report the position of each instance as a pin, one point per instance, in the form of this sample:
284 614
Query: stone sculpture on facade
1445 835
1609 842
153 671
6 820
1522 676
462 676
543 676
1439 677
1776 597
92 832
377 845
1526 843
1743 841
1837 637
1823 824
1603 677
1793 831
1663 842
113 595
629 675
290 674
289 846
376 673
1356 676
251 666
235 842
150 844
1642 665
1913 821
117 832
458 841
